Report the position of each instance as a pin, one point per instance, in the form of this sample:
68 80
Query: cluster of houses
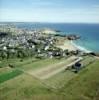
37 41
40 42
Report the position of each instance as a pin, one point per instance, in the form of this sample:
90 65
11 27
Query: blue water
89 32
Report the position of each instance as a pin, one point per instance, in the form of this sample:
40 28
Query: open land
60 86
36 66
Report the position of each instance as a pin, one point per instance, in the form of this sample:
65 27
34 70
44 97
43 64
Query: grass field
85 85
60 79
9 75
68 85
52 69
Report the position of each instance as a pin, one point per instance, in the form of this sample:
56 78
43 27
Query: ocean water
89 32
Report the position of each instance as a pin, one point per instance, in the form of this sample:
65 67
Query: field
6 76
27 80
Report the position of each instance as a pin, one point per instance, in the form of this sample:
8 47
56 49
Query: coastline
81 48
72 46
67 45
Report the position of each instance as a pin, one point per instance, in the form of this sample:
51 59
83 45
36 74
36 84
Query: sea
89 33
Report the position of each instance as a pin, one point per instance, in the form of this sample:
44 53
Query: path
51 70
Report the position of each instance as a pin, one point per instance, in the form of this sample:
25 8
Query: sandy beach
68 45
71 46
80 48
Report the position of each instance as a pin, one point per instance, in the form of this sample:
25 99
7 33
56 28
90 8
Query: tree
3 54
66 52
19 54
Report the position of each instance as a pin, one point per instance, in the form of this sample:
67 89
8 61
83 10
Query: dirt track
51 70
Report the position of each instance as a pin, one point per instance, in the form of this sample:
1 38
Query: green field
66 85
9 75
85 85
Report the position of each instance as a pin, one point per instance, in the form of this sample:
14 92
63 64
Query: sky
65 11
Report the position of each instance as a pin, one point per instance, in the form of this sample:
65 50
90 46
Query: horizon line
48 22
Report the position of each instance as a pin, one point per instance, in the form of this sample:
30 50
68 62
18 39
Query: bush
12 66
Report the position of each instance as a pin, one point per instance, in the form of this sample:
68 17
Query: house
46 47
4 48
77 66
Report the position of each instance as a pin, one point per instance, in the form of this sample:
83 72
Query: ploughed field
46 79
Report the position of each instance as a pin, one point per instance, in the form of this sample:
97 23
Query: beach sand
71 46
68 45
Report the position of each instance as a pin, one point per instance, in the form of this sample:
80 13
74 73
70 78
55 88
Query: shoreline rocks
73 37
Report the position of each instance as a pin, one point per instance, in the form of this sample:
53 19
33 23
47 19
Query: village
16 42
40 44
